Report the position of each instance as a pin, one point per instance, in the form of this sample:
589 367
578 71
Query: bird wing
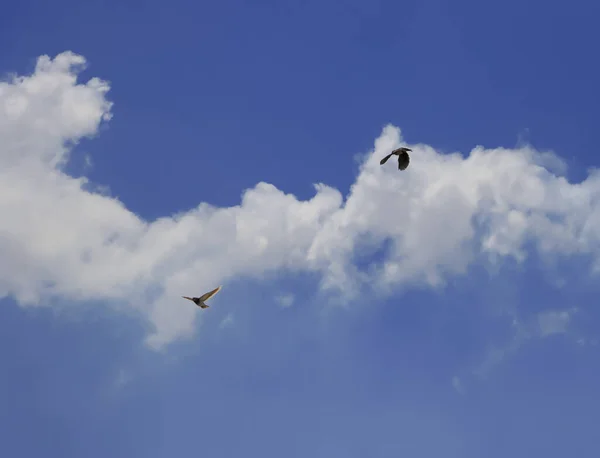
210 294
402 149
189 298
385 159
403 161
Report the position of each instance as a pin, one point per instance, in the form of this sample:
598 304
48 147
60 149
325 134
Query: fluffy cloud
58 239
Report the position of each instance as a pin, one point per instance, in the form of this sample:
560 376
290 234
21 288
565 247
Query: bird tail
385 159
203 305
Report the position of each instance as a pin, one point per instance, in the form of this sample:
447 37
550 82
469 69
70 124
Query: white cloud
59 239
545 324
123 378
227 322
88 163
285 300
457 385
554 321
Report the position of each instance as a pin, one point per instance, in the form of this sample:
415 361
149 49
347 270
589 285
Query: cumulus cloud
59 239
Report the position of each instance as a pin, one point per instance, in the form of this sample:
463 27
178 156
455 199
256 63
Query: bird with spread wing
200 301
403 158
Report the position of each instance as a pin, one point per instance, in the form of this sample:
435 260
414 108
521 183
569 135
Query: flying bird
199 301
403 158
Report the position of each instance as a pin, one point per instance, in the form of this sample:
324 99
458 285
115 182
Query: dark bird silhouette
199 301
403 158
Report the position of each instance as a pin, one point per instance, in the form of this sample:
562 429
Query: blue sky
497 358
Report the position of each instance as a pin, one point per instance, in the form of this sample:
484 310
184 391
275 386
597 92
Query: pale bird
200 301
403 158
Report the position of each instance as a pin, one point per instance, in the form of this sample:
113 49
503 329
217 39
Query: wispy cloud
227 322
457 384
123 378
543 325
285 300
554 321
444 213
